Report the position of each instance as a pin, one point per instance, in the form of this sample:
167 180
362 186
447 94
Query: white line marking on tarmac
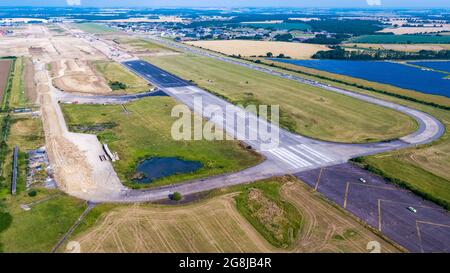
296 158
282 159
316 153
305 155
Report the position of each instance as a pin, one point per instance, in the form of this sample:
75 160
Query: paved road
293 153
383 206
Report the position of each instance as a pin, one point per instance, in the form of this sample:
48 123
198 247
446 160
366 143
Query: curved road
292 154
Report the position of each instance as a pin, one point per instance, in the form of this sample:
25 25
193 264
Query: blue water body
443 66
158 167
396 74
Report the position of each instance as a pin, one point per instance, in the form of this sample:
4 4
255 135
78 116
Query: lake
443 66
396 74
159 167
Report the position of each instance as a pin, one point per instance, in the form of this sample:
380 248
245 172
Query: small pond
159 167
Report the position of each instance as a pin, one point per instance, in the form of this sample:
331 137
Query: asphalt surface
155 75
384 206
305 157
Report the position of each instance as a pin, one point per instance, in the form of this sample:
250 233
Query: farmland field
305 109
216 225
401 39
260 48
143 130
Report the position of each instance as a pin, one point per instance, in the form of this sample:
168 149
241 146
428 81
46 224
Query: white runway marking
291 158
315 153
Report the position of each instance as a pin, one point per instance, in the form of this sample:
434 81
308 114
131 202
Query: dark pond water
396 74
158 167
443 66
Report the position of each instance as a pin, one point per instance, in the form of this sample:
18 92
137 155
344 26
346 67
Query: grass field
142 45
18 90
5 65
305 109
336 79
39 229
216 224
425 168
95 28
146 132
260 48
401 39
112 72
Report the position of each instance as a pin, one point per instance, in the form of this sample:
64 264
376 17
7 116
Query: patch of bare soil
75 75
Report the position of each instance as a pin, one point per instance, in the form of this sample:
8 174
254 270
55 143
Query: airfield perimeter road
293 153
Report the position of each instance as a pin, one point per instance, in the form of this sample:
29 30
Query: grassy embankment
145 131
424 169
115 73
243 218
304 109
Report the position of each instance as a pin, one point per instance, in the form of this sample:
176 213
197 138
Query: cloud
73 2
374 2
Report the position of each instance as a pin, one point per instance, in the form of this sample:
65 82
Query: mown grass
424 169
114 72
17 98
143 45
146 132
39 229
306 110
350 82
95 28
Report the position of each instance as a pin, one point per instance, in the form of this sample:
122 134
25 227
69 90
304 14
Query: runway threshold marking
379 214
346 194
318 179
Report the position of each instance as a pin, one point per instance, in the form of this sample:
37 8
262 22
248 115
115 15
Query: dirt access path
74 157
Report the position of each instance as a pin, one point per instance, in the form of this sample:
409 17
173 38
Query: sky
231 3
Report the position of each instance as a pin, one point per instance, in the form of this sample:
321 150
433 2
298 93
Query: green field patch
305 109
277 220
145 132
39 229
95 28
121 80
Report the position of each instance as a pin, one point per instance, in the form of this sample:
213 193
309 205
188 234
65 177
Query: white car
411 209
362 180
